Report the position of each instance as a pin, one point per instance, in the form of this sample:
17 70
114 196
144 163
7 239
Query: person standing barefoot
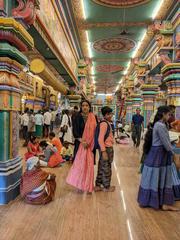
81 174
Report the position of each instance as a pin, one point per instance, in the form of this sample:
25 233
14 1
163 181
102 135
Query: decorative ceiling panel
109 68
121 3
114 45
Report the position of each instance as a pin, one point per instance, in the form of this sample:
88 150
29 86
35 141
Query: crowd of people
81 130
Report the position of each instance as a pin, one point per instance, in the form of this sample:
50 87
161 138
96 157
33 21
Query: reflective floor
100 216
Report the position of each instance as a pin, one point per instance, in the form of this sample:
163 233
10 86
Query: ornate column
171 75
149 92
160 99
164 39
136 102
14 39
128 104
82 75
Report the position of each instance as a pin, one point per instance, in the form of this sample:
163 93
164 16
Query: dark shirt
137 119
78 125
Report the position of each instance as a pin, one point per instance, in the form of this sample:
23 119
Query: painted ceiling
109 33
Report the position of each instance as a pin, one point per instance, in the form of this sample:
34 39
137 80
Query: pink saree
81 174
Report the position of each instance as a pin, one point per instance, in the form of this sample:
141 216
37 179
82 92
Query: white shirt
47 118
53 116
68 134
24 119
39 120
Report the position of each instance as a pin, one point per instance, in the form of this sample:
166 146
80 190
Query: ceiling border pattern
124 4
87 25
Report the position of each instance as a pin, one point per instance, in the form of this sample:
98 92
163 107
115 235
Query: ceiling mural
114 45
110 33
109 68
121 3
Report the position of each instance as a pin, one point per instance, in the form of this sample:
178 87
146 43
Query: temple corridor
100 216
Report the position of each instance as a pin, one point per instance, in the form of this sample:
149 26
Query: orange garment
57 143
176 125
55 160
110 139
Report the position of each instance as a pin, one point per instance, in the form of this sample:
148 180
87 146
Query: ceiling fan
124 32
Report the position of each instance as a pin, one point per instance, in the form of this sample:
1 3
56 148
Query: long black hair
161 111
43 144
32 138
149 134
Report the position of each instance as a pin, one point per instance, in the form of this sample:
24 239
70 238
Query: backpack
96 137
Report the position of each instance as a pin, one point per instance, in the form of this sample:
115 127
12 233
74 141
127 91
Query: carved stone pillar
14 39
149 92
171 75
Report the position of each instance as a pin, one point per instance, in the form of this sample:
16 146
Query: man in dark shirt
137 127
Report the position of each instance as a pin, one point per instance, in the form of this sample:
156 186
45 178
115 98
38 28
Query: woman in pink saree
81 174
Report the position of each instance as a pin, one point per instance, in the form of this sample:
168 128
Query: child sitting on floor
55 142
32 148
51 157
66 152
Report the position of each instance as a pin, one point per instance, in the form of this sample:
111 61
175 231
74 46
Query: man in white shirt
47 122
53 118
24 124
39 122
31 124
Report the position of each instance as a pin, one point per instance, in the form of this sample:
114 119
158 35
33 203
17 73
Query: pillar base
10 177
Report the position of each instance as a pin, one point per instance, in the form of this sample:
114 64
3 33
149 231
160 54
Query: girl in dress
157 188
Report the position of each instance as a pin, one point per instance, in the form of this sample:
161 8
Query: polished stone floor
100 216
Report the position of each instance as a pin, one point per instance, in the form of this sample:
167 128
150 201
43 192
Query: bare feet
110 189
98 189
169 208
89 193
80 191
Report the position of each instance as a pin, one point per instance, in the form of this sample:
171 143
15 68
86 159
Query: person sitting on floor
55 142
51 157
37 186
67 152
32 148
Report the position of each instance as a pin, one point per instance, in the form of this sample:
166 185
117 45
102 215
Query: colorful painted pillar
149 92
82 75
128 104
136 102
171 75
160 99
14 39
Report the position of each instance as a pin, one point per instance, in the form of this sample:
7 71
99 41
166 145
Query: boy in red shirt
103 179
